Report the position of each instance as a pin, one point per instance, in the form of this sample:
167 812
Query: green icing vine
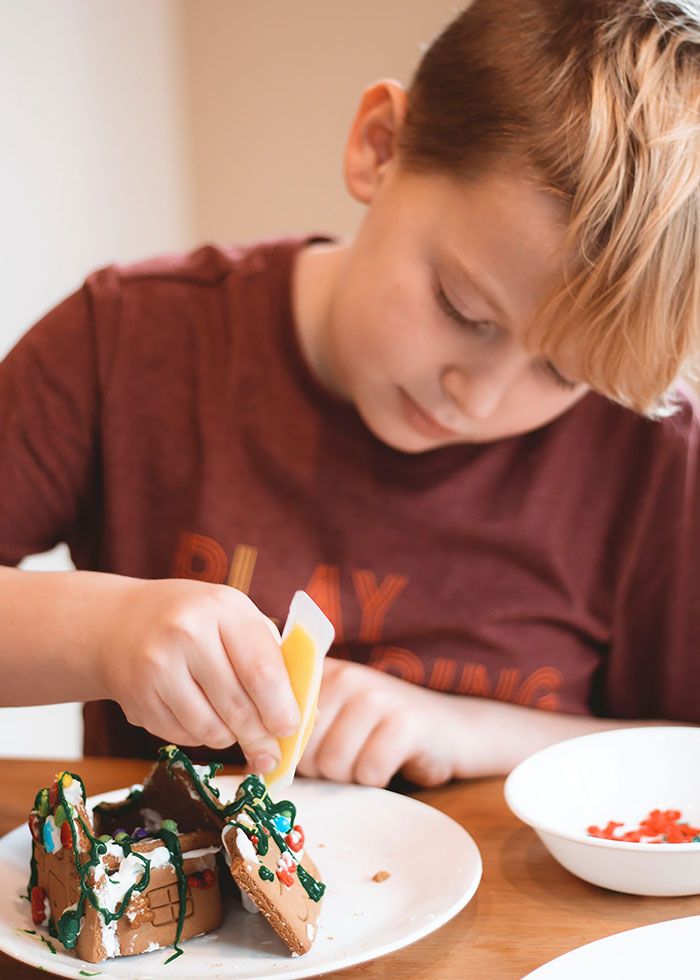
46 942
67 928
172 754
252 798
68 925
173 844
314 889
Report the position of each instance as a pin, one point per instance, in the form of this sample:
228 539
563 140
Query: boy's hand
195 663
372 725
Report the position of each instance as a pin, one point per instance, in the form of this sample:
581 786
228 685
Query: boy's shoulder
610 431
207 265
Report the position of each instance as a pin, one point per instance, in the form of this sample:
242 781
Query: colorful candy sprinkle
281 822
286 866
66 835
659 827
169 825
42 803
201 879
53 794
52 836
37 901
35 827
62 811
295 838
286 876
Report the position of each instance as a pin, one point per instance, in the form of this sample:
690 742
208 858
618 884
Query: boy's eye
558 378
480 327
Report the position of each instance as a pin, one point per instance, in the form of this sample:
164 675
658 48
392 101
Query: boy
438 429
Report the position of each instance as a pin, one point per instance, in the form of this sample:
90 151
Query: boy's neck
314 278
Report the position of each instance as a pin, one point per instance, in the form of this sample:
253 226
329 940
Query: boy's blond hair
600 100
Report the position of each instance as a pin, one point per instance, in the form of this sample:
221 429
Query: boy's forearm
497 735
192 662
52 632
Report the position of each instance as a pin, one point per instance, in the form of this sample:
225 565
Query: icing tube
306 638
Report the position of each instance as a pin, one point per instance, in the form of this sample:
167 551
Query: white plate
434 869
665 949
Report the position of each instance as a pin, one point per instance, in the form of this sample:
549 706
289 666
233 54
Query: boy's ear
372 141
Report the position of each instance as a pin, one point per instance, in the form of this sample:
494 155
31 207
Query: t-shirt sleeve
653 669
49 420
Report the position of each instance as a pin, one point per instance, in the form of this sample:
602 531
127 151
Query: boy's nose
477 394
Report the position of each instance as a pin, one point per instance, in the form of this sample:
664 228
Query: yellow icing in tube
306 638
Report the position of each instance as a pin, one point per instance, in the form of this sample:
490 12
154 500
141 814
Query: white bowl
619 775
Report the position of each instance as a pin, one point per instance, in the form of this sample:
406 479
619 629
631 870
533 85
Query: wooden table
526 911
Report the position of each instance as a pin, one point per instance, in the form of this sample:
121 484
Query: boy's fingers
164 724
262 755
194 712
382 755
230 701
264 677
342 743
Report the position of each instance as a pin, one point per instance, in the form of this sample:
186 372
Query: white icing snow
159 857
245 846
114 850
73 792
285 861
111 889
200 852
310 931
110 939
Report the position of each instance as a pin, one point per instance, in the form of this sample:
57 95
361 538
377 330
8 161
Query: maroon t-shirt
162 422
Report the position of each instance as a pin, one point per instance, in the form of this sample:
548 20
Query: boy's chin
411 443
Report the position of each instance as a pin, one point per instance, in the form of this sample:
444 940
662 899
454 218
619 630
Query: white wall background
131 128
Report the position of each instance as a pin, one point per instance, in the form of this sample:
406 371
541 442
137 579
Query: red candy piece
286 869
53 794
295 838
254 840
286 876
66 836
201 879
37 900
35 827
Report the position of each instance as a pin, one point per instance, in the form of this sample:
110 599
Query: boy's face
422 325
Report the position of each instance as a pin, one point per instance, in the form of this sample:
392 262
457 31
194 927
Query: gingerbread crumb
380 876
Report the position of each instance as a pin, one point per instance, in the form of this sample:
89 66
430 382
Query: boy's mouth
421 421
